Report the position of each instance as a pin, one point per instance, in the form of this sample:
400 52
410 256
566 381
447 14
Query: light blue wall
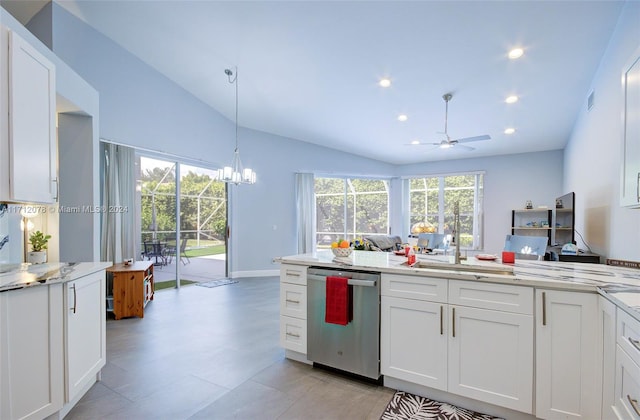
509 181
593 156
142 108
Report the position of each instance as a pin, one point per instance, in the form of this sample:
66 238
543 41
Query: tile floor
213 353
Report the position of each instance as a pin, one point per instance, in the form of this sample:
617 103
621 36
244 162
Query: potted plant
38 241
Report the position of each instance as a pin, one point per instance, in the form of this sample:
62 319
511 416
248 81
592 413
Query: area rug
216 283
405 406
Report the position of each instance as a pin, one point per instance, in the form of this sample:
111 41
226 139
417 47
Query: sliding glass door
183 220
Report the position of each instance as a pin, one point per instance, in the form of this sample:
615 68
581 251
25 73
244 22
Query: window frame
478 203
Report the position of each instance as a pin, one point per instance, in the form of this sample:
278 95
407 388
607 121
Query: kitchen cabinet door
413 341
85 333
28 139
630 171
491 356
31 356
568 377
607 315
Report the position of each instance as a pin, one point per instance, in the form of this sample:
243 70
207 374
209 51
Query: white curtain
305 212
118 201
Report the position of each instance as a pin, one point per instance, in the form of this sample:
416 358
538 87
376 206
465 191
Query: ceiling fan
448 142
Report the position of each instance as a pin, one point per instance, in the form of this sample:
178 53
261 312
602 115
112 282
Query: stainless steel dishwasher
354 347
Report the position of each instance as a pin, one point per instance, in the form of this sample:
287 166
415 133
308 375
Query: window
350 208
431 199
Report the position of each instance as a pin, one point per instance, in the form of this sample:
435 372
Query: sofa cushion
385 242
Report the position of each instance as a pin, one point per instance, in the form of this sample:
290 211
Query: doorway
183 219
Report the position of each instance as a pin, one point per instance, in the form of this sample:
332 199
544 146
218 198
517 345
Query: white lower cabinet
607 315
491 357
31 352
477 352
85 333
627 377
293 308
568 355
413 341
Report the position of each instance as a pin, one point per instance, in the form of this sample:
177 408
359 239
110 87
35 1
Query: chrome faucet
456 230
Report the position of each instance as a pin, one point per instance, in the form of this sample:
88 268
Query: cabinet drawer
628 334
627 389
413 287
500 297
296 274
293 300
293 334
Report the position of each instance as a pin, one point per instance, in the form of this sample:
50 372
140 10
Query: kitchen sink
466 267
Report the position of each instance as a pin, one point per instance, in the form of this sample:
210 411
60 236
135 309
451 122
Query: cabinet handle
441 320
638 187
544 308
293 274
293 335
75 298
634 404
292 301
635 343
453 318
57 188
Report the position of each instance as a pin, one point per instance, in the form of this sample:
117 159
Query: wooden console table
129 288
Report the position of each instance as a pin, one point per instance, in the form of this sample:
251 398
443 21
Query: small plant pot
37 257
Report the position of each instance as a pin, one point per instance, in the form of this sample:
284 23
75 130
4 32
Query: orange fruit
344 244
334 244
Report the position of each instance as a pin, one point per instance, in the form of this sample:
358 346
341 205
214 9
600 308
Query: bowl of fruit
341 248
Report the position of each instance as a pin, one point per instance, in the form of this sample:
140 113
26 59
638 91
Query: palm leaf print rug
405 406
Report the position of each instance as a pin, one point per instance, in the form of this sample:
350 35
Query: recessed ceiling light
516 53
509 130
385 82
511 99
402 117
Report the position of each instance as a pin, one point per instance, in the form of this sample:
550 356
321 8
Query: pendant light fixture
236 173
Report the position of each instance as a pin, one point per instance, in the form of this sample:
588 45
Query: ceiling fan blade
476 138
462 146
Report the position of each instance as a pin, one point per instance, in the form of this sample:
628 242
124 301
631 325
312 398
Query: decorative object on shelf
236 173
528 205
38 253
422 227
558 203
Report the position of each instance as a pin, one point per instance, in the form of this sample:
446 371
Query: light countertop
618 284
20 276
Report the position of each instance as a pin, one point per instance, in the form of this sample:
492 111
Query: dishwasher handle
351 282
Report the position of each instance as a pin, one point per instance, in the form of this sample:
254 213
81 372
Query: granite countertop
20 276
618 284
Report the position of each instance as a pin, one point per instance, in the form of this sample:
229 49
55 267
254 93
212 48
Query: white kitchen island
530 339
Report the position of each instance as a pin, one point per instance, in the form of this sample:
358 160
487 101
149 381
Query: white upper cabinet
28 160
630 182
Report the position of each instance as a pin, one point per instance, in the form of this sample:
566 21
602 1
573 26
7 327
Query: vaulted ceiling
309 70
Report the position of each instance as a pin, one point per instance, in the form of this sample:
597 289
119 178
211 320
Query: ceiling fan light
445 145
402 117
511 99
509 130
516 53
416 142
385 82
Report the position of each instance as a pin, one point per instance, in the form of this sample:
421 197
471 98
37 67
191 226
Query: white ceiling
308 70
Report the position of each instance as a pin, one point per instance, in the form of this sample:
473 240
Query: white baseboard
255 273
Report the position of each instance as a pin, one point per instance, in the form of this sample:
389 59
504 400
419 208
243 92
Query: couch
386 243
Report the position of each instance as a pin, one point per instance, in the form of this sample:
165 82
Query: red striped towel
339 302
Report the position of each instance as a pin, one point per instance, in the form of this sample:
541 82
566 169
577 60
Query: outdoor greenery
426 195
367 208
202 205
366 205
170 284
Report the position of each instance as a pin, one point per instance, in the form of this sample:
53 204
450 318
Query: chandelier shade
236 173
